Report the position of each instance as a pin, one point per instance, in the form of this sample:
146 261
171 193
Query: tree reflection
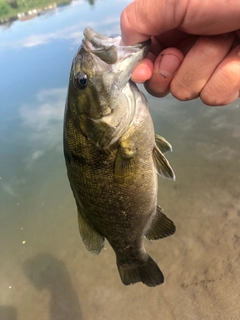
13 3
91 2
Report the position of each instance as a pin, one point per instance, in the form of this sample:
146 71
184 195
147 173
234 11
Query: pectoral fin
162 165
162 144
161 226
125 160
93 241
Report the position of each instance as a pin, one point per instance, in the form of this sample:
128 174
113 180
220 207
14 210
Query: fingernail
168 65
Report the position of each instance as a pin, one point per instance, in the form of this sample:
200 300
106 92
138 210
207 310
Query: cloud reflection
49 107
73 33
43 120
11 186
45 38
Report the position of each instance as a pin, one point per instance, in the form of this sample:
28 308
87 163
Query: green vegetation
10 8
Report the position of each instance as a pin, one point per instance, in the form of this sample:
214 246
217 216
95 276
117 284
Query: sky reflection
44 123
35 59
36 32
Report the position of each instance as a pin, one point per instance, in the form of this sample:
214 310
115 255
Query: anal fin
161 226
92 240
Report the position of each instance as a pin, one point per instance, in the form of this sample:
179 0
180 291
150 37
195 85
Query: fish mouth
110 50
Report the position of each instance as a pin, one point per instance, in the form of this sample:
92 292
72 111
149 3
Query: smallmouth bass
113 156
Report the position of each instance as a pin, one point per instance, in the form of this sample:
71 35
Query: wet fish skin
112 157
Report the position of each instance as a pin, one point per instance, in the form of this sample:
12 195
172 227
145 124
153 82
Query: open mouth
110 50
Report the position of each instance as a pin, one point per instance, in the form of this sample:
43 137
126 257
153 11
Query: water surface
46 272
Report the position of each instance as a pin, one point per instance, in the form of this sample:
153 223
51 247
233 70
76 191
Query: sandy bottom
47 274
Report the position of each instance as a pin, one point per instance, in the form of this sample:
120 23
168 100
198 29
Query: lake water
45 271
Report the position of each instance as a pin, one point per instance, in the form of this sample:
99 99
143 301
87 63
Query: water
46 272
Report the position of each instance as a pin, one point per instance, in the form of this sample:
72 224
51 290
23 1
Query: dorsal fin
162 165
162 144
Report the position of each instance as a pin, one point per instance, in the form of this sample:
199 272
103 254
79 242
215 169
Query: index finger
142 19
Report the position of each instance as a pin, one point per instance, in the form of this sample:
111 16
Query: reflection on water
46 273
8 313
44 120
91 2
12 10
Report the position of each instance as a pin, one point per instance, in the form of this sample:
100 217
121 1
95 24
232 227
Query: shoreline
31 13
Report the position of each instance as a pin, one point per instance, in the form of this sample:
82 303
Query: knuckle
212 101
223 87
213 95
183 92
215 100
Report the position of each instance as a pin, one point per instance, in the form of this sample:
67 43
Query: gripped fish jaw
109 50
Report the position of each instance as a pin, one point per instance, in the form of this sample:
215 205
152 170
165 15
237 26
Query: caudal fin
147 273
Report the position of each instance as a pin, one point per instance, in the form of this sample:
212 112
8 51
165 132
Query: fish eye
80 80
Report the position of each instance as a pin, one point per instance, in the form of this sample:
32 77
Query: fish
113 156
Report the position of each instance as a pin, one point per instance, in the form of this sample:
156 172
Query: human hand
195 49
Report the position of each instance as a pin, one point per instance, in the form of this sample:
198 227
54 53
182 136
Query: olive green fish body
112 158
108 201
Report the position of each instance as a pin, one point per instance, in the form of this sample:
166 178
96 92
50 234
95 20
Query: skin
195 49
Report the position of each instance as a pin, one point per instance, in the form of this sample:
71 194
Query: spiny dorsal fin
161 226
162 144
162 165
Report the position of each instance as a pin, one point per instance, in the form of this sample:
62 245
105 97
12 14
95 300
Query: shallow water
46 272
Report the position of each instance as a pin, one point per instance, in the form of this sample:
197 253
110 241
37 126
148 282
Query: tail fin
147 273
